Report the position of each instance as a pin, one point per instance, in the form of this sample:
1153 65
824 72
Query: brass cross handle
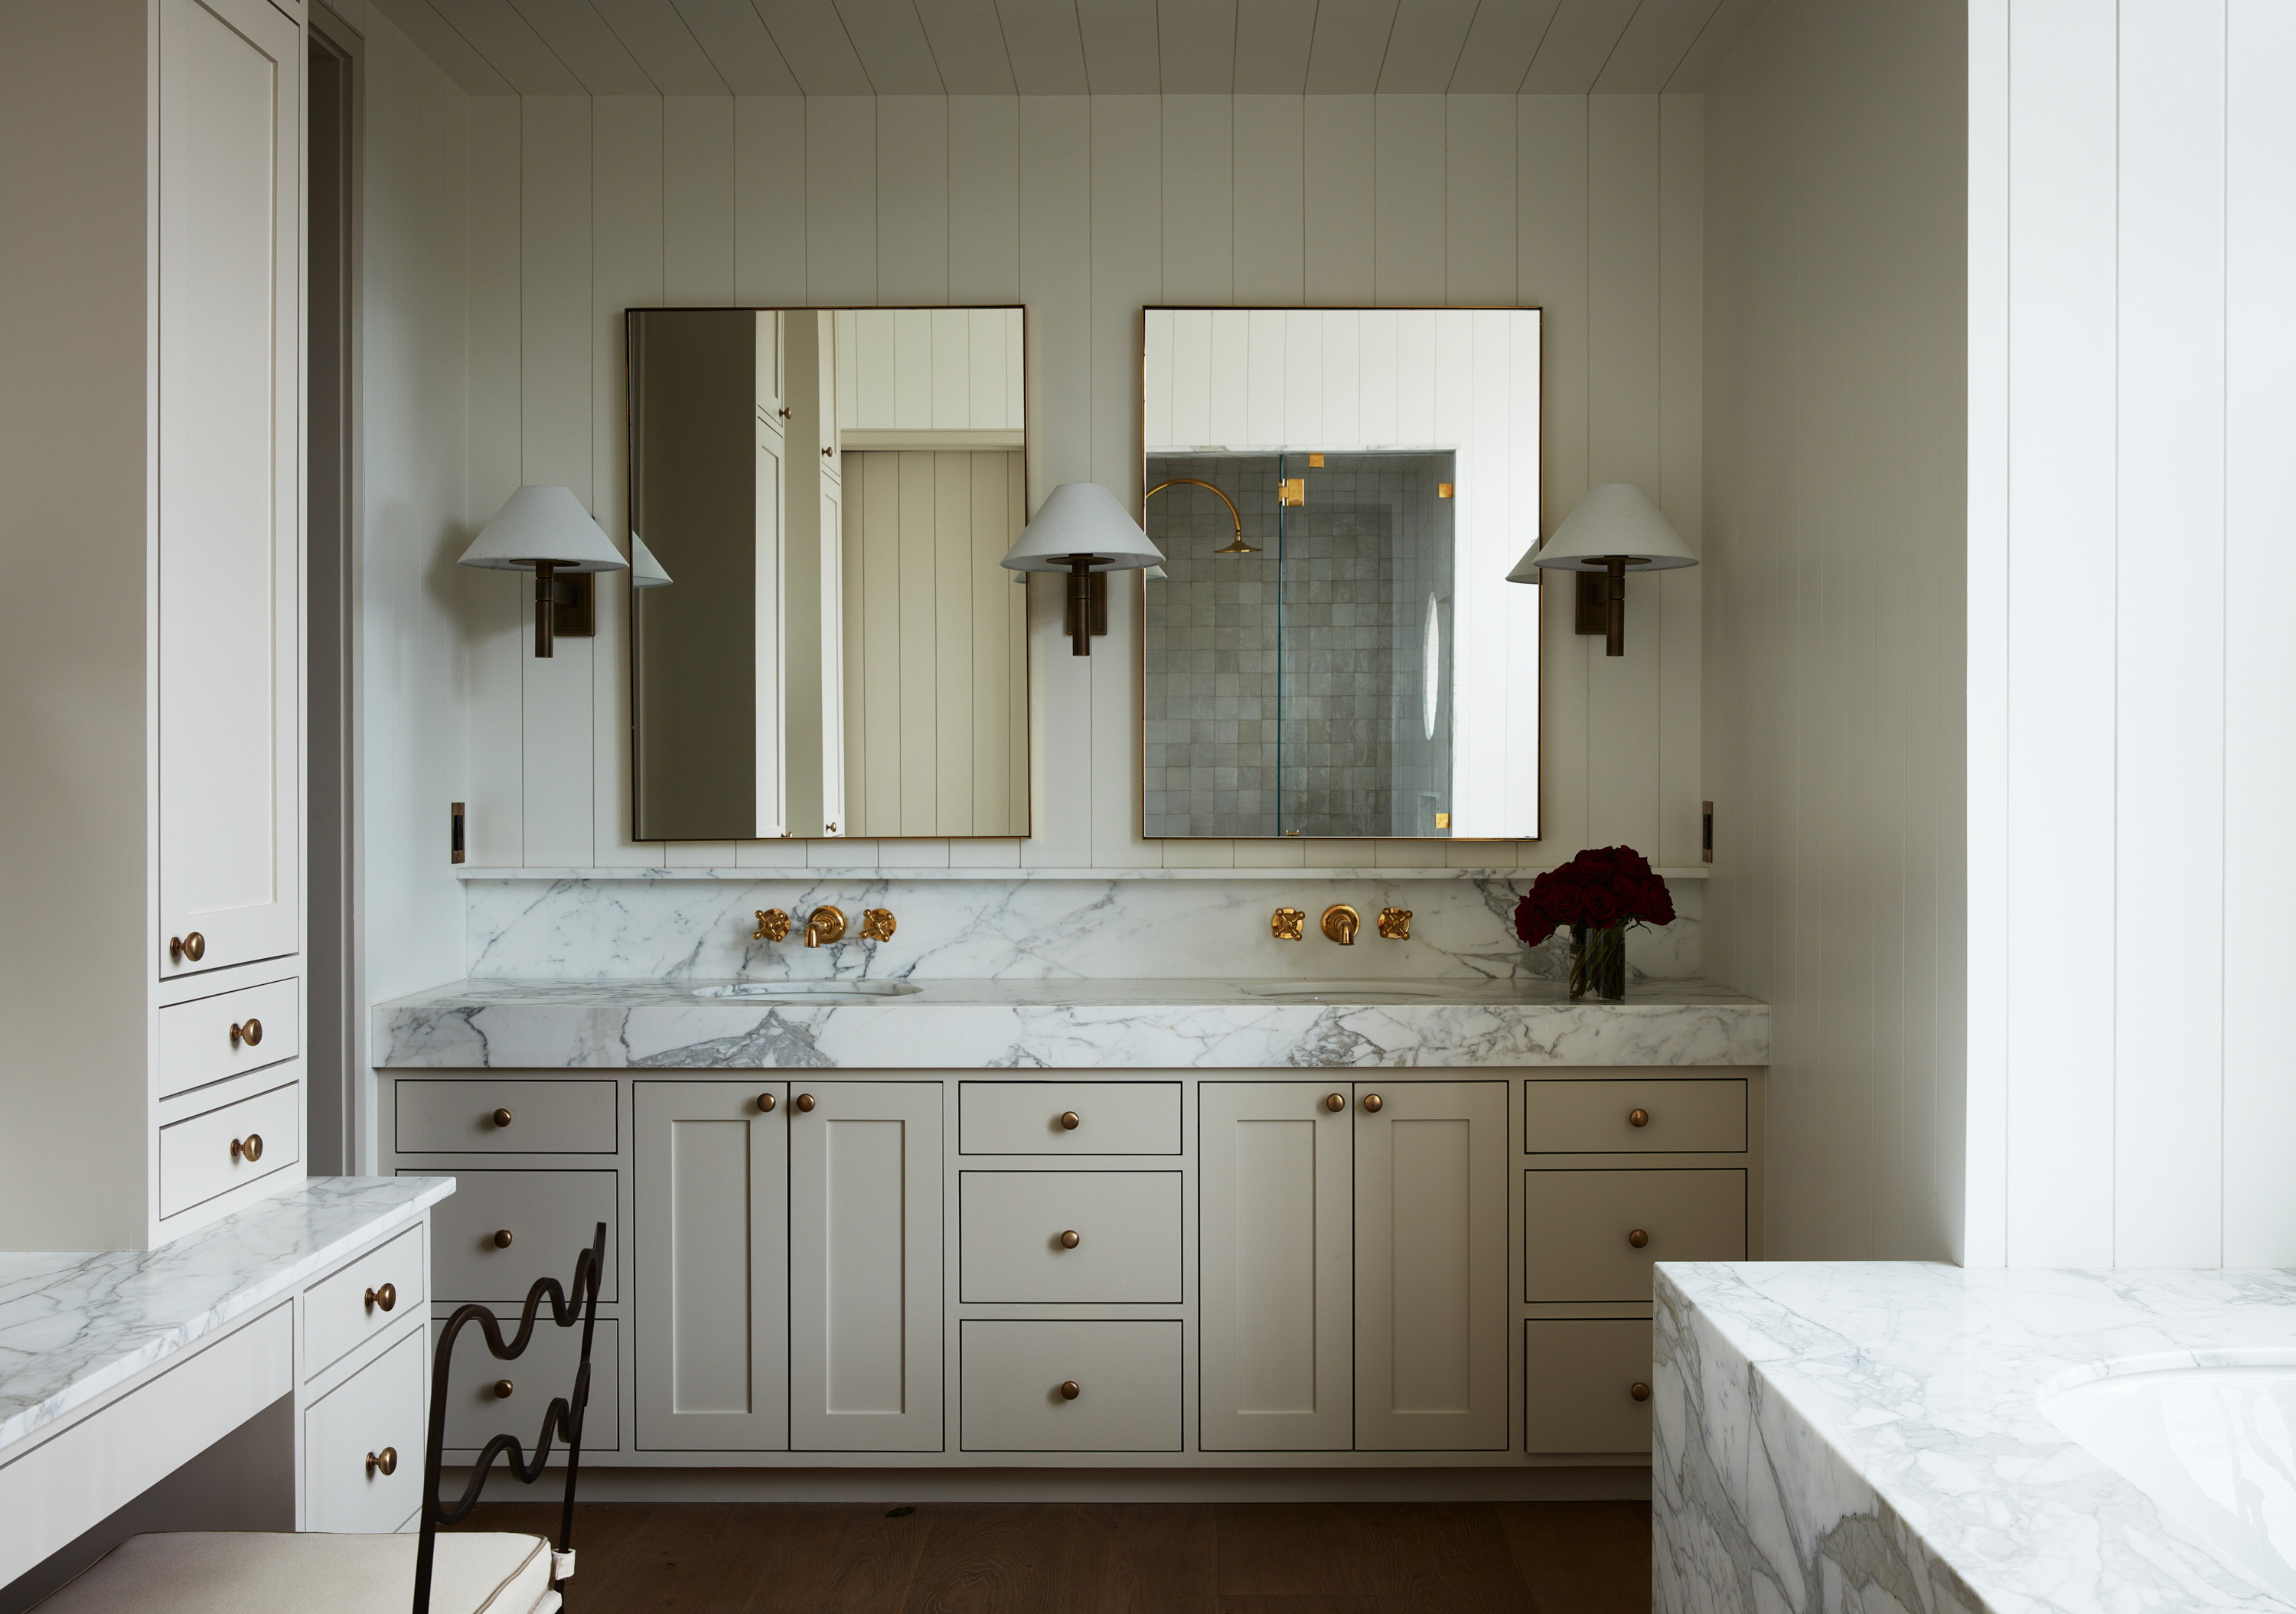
877 924
1289 924
1394 924
773 925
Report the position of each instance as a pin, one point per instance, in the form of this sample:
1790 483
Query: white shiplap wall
2132 215
1087 208
1835 601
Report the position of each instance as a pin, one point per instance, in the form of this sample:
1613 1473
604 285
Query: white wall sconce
546 530
645 571
1081 529
1614 530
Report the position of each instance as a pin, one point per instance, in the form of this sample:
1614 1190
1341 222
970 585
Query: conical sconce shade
543 530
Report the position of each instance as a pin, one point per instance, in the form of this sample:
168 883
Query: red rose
1625 860
1654 904
1595 863
1603 908
1565 897
1533 923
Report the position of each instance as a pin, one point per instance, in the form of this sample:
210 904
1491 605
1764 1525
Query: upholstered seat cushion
205 1573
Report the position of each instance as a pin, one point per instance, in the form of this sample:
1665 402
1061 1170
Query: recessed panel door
229 368
1430 1266
712 1318
866 1266
1276 1266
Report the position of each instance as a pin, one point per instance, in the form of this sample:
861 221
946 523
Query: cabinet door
1430 1267
1275 1268
866 1266
712 1272
771 489
229 495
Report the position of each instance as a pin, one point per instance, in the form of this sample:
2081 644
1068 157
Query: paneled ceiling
1075 47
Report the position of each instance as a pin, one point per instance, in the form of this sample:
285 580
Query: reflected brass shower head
1237 548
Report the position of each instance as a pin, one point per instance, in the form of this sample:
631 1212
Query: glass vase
1598 962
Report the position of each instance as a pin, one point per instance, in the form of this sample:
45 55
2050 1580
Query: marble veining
1865 1436
73 1325
1064 1024
674 928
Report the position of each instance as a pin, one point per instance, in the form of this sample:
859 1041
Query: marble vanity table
116 1368
1852 1436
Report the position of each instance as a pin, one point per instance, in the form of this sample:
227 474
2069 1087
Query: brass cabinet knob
773 925
1638 1118
248 1031
878 924
805 1102
1638 1390
503 1388
766 1102
1071 1120
1340 923
1070 1389
1638 1238
384 1462
1373 1102
1071 1238
191 945
502 1118
383 1299
1288 924
502 1237
1394 924
249 1148
1335 1101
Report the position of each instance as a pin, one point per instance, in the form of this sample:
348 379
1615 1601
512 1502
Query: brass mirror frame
1538 737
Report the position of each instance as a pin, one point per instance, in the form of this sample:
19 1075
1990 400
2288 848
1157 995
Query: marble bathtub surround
1022 929
74 1324
1860 1435
1069 1024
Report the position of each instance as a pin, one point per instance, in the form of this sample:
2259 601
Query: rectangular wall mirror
823 643
1333 648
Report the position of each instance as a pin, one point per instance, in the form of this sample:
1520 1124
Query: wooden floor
1004 1558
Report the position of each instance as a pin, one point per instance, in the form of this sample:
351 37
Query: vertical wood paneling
498 610
769 201
984 199
912 214
840 200
1479 188
1680 491
918 587
1337 200
1407 202
2062 599
1270 200
555 354
954 647
2259 1101
1199 200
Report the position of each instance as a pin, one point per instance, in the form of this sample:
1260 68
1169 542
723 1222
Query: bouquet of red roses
1600 889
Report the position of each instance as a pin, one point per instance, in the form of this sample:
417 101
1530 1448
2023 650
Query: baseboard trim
1625 1483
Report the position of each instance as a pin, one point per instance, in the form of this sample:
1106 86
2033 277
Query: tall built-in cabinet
151 174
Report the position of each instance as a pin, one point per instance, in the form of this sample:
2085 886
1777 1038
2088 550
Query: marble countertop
1067 1023
1926 1381
74 1324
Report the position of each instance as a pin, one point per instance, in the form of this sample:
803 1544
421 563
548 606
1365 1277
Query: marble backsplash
1029 929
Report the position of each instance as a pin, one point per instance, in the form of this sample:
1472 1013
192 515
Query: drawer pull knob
1373 1102
384 1462
1335 1102
248 1031
383 1299
1070 1389
1638 1238
766 1102
191 945
805 1102
1071 1120
502 1118
1070 1239
249 1148
502 1237
1638 1118
1638 1390
503 1388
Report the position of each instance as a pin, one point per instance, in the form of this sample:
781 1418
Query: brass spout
825 923
1237 548
1340 923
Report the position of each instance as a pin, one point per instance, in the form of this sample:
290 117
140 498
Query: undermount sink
810 991
1351 991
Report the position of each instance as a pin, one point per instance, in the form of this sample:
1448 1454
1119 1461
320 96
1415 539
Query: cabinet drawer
1579 1228
197 1044
346 1309
1127 1379
1681 1115
198 1162
379 1407
1578 1386
476 1414
1010 1236
466 1117
1112 1117
549 1215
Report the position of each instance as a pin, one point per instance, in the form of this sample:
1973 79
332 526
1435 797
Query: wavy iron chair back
563 1416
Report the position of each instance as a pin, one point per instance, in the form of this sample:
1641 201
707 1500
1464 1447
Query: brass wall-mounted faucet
1340 923
825 924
